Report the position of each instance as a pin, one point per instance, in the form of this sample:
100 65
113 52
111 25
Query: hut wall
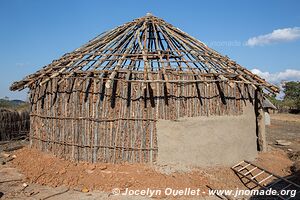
13 124
208 141
82 120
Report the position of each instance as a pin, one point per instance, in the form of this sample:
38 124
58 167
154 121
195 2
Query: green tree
292 94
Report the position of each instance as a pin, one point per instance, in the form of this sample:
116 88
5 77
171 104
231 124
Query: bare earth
35 175
284 127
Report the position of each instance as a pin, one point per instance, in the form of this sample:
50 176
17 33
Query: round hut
146 92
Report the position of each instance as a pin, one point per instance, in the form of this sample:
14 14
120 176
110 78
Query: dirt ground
285 127
29 174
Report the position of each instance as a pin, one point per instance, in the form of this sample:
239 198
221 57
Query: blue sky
33 33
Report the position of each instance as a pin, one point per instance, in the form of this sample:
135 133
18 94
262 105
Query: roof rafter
147 44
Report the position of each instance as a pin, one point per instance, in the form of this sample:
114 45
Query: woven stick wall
81 119
101 101
13 124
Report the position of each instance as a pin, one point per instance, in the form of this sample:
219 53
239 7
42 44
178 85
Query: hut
146 92
13 124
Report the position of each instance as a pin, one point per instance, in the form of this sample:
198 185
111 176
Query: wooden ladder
254 176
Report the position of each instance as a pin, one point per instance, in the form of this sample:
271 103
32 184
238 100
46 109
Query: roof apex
149 14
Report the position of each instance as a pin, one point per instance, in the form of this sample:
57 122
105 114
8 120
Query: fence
13 124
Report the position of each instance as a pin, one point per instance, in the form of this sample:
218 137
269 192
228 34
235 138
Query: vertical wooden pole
260 122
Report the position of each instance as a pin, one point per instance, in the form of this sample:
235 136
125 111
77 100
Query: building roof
268 104
148 45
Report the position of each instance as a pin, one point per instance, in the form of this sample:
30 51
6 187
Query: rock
92 167
283 143
5 155
14 156
290 150
85 190
25 185
77 188
102 167
62 171
89 171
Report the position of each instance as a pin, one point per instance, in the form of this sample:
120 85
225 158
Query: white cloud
278 35
279 77
276 78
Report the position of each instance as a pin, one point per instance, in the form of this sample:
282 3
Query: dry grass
286 117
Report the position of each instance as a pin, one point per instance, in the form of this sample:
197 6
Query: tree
292 94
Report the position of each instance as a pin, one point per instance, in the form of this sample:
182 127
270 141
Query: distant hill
14 104
17 102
